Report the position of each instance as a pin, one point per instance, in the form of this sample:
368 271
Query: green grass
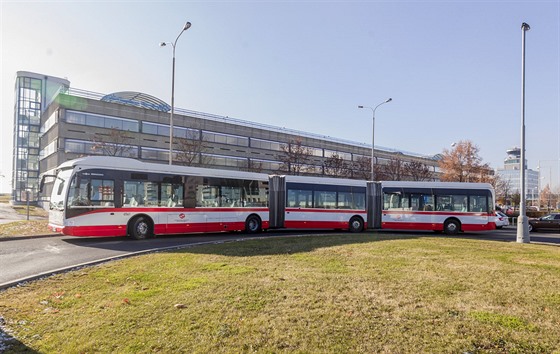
322 294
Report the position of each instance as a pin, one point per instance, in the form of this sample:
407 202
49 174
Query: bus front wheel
452 227
356 224
253 224
140 228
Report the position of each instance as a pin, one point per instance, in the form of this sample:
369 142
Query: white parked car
501 220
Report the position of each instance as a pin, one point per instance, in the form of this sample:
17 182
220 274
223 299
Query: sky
452 68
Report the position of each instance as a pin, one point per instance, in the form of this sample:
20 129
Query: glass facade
26 137
32 93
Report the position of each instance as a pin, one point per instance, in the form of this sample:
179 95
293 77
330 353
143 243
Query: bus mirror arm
42 184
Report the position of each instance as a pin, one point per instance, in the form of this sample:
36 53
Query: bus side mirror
42 184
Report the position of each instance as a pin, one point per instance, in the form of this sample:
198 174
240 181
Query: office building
78 123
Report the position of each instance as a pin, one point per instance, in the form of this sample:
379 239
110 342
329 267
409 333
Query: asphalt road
24 259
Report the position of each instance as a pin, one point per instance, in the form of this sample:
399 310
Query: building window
265 144
91 148
225 139
95 120
155 154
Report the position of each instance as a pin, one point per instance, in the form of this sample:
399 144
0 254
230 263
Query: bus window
351 200
454 202
325 200
78 195
86 192
171 195
230 196
102 192
478 203
140 193
300 198
428 202
391 201
415 201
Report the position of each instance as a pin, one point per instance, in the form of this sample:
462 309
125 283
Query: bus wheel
253 224
452 227
356 224
140 228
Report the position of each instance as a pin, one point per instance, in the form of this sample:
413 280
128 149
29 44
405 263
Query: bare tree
190 149
116 143
361 168
255 166
417 171
462 163
295 157
503 190
393 171
336 166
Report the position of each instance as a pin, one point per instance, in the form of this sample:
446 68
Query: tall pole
522 223
172 109
163 44
373 136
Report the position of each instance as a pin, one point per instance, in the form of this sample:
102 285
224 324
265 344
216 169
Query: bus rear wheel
253 224
140 228
452 227
356 224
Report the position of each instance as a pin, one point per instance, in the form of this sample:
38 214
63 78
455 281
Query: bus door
374 205
277 201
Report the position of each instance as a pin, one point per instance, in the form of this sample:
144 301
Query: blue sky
453 68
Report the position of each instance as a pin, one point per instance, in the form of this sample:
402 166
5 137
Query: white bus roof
325 180
130 164
450 185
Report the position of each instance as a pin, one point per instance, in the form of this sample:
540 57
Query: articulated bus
115 196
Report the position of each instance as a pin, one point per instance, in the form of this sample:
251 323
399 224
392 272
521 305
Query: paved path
8 214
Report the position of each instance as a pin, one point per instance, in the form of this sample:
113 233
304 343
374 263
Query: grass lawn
367 293
24 228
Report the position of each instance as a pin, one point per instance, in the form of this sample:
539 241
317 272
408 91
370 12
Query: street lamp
163 44
373 134
522 221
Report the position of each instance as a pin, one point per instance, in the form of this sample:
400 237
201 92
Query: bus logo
181 216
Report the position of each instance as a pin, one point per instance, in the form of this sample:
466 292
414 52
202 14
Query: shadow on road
323 239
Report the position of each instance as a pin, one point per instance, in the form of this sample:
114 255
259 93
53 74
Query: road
30 258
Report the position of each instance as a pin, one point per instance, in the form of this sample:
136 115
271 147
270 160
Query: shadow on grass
9 344
266 243
294 243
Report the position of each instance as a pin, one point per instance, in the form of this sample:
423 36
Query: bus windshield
59 189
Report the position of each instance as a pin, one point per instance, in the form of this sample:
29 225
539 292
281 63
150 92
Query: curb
14 238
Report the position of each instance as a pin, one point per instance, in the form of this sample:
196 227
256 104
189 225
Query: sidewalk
8 214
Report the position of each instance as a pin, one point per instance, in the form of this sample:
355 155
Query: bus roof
130 164
449 185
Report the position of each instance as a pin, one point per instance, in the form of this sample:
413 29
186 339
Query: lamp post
163 44
373 134
522 221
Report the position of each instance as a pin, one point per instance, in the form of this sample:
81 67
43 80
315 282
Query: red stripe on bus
318 210
137 210
301 224
450 213
435 226
97 230
159 229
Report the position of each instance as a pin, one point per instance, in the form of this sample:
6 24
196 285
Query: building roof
137 99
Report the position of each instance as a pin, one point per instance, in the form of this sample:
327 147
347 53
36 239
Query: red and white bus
114 196
439 206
